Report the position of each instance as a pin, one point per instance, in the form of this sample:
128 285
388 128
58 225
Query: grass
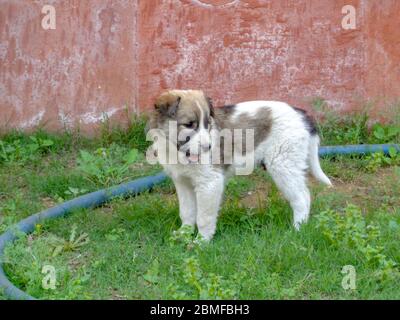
123 249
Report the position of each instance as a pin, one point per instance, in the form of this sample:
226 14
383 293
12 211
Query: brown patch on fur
309 121
184 105
181 106
225 111
261 124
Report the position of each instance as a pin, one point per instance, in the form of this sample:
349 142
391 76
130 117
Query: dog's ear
167 105
211 106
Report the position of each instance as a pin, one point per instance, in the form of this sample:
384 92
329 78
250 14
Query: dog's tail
313 158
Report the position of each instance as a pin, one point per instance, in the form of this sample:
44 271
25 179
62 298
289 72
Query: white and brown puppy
285 143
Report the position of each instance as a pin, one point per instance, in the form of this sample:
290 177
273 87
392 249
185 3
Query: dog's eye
190 125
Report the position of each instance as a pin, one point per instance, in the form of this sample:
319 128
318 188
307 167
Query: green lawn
123 250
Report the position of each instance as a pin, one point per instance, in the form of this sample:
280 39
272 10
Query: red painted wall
109 57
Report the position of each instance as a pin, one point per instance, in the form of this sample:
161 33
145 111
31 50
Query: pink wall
107 57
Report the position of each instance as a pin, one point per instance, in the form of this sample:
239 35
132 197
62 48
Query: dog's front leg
187 202
209 195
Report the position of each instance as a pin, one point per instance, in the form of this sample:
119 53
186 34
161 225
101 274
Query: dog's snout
206 147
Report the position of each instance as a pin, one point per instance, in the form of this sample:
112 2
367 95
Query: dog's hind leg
288 174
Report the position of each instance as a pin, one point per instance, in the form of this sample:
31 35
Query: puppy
283 140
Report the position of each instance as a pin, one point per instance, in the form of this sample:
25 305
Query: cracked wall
107 59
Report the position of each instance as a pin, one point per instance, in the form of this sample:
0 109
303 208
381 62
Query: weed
345 129
134 136
200 285
75 192
72 244
351 230
107 166
353 128
379 159
152 275
183 235
386 133
116 234
21 151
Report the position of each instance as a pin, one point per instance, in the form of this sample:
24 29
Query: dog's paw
183 234
298 224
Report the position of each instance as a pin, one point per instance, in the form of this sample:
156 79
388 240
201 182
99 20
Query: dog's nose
206 147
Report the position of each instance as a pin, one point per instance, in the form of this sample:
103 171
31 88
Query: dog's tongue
194 157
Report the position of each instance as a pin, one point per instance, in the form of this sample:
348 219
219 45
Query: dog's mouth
193 158
196 156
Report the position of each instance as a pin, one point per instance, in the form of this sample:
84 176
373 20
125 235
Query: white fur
201 139
288 152
314 162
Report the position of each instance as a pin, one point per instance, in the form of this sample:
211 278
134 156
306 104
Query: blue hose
90 200
358 149
135 187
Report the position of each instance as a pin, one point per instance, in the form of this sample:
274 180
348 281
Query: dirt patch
258 197
374 189
366 188
48 202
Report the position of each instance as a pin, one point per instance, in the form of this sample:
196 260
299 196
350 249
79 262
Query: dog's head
193 114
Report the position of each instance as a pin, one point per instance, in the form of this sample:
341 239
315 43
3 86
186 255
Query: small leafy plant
39 145
116 234
340 129
107 166
379 159
75 192
353 128
385 133
351 230
152 274
73 243
204 286
184 235
18 150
